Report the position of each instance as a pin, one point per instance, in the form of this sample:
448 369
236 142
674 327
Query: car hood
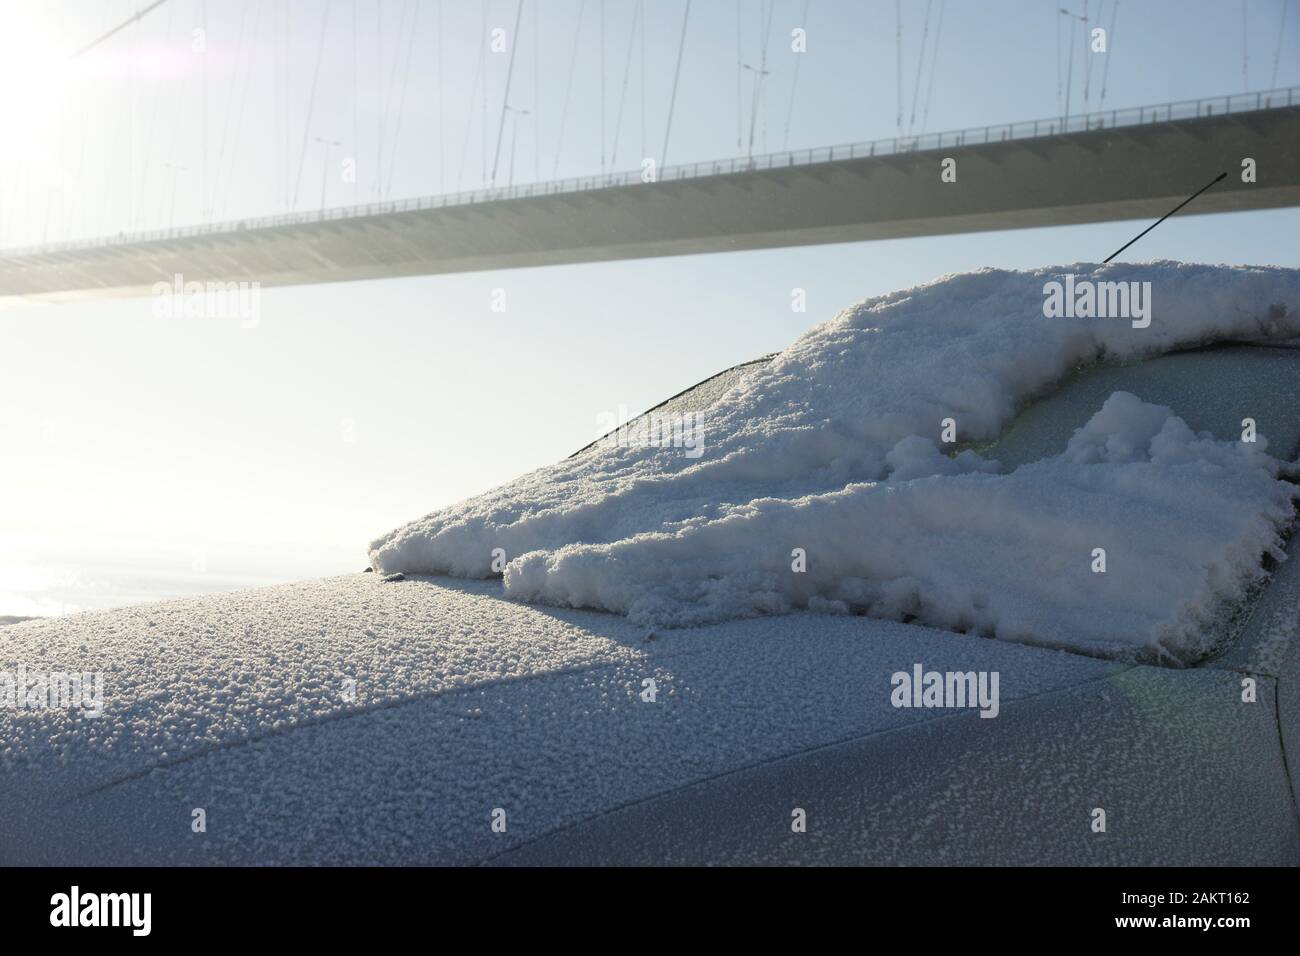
463 704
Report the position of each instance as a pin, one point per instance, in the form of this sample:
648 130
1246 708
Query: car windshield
1215 389
1212 389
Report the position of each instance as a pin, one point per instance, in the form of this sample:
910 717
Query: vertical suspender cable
130 128
920 66
153 119
794 83
469 110
1277 55
376 181
1245 56
401 102
1069 77
356 123
740 96
482 106
602 85
442 179
203 118
284 89
224 195
758 77
173 134
311 101
934 59
387 93
898 59
672 101
1060 79
622 96
1110 47
230 100
537 93
505 97
1087 59
568 87
643 80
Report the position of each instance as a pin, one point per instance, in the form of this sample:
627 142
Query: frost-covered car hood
465 703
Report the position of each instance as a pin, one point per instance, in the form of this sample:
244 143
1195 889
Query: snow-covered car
947 581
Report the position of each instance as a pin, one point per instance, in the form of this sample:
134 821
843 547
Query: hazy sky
142 457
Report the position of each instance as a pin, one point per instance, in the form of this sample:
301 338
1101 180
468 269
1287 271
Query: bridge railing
974 136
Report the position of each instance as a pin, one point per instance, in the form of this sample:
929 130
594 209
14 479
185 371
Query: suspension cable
642 84
505 97
224 196
794 84
401 102
920 66
482 103
376 182
677 73
473 97
230 99
934 60
898 59
568 86
356 121
758 76
537 92
311 101
740 56
1060 79
135 18
627 73
157 105
1087 60
1277 55
386 93
1110 44
602 85
1069 76
1245 50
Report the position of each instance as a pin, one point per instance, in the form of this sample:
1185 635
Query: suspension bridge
1087 167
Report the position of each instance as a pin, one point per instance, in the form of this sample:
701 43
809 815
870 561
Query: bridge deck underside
1126 173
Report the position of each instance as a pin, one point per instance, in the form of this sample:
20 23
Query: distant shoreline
13 619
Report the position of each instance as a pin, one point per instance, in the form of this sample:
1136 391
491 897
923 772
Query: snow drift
833 448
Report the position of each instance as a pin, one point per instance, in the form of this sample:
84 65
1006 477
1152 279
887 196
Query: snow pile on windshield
1181 521
821 481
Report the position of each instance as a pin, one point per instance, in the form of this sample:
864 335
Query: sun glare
37 73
